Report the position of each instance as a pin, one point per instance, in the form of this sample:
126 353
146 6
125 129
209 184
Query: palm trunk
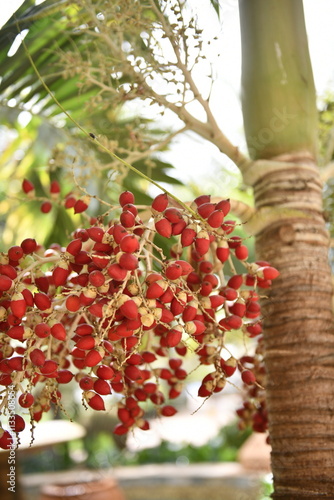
298 334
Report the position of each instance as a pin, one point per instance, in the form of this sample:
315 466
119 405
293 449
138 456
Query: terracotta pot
99 489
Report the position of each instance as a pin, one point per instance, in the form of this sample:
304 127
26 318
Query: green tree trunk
281 124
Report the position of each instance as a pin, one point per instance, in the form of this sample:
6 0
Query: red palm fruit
42 301
175 363
105 372
15 253
26 400
173 337
95 233
223 251
81 204
86 383
84 329
224 206
177 306
94 356
135 359
206 209
160 202
211 278
64 376
216 301
100 259
116 272
205 267
206 288
168 411
6 440
164 227
28 187
188 235
128 261
235 281
229 365
37 357
167 296
180 374
42 330
18 305
72 303
97 309
150 387
173 215
228 226
8 270
74 247
17 423
204 198
164 315
126 197
16 363
28 245
119 232
5 283
248 377
28 297
186 267
54 189
238 308
202 242
127 219
157 398
234 241
102 387
193 279
130 208
49 367
140 394
173 393
229 293
148 357
120 429
129 309
94 400
173 271
254 330
194 327
241 252
267 273
232 322
69 201
156 289
178 227
96 278
216 218
60 274
190 311
46 207
132 372
129 243
86 343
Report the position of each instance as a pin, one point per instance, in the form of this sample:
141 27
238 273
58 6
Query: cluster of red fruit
113 313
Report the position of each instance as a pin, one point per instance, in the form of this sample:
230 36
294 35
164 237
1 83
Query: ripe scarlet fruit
160 202
164 227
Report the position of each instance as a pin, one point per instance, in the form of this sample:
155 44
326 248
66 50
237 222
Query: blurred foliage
99 450
38 142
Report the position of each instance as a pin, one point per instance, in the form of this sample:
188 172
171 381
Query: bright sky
225 95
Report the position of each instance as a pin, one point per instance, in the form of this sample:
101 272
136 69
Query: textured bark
299 339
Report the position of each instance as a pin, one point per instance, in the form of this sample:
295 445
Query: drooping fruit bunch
113 313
